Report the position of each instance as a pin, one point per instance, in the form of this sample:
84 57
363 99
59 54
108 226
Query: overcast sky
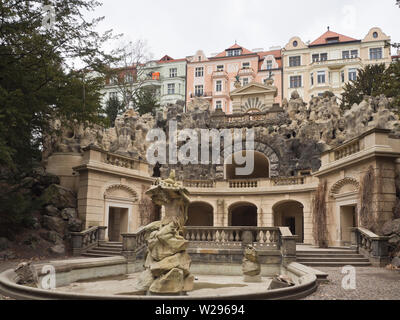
179 28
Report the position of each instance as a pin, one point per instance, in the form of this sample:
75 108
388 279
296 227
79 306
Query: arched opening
200 214
242 214
261 166
290 214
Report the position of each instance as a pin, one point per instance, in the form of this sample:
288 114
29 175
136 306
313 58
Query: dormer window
246 65
234 52
332 40
220 68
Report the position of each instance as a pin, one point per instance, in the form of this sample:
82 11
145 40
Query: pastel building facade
214 78
167 76
330 61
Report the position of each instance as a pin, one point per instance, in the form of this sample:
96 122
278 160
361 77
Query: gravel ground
371 284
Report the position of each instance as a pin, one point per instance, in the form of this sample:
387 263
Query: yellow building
330 61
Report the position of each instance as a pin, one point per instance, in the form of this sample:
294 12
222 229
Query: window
128 78
352 74
269 64
246 65
220 68
235 52
319 57
375 35
198 90
295 43
171 88
218 86
375 53
218 104
114 80
332 40
294 61
245 81
353 53
312 78
199 72
342 75
173 72
295 81
321 76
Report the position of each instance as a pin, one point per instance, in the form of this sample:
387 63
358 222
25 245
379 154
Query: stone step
319 259
97 255
111 251
327 252
111 245
303 255
336 264
105 252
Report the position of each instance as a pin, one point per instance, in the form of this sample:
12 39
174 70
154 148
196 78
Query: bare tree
129 72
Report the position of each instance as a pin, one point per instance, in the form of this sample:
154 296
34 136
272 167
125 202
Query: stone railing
347 150
84 240
232 237
284 181
199 183
238 119
133 243
372 246
251 183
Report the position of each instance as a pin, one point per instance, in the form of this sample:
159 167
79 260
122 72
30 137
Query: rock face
26 274
295 134
167 262
251 266
392 230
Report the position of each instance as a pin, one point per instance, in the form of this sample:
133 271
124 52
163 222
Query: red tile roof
330 34
276 53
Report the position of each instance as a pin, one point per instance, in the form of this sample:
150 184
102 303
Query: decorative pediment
120 191
254 88
346 185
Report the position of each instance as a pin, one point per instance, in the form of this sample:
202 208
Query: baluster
223 236
203 236
231 238
217 236
209 236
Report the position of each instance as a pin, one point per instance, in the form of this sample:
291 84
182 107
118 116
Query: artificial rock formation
297 133
250 265
167 265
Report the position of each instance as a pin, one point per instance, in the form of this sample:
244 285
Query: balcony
201 95
335 63
220 74
246 72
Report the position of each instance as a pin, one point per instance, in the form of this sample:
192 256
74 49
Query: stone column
379 254
288 245
129 246
101 233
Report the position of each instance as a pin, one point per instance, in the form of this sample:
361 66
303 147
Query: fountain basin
72 273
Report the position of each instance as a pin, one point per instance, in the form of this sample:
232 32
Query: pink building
213 78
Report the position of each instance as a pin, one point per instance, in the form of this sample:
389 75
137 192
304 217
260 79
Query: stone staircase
105 249
331 257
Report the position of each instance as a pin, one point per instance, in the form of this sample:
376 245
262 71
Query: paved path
371 284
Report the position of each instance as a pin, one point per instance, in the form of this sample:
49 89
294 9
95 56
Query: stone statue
167 262
250 265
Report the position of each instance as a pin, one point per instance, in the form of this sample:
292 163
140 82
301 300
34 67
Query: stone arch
200 213
242 213
261 147
290 213
261 167
120 191
351 184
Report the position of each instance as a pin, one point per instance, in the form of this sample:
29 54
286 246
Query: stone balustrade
199 183
233 237
284 181
248 183
133 244
372 246
243 183
347 150
84 240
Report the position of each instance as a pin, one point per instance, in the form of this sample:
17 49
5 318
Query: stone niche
254 97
